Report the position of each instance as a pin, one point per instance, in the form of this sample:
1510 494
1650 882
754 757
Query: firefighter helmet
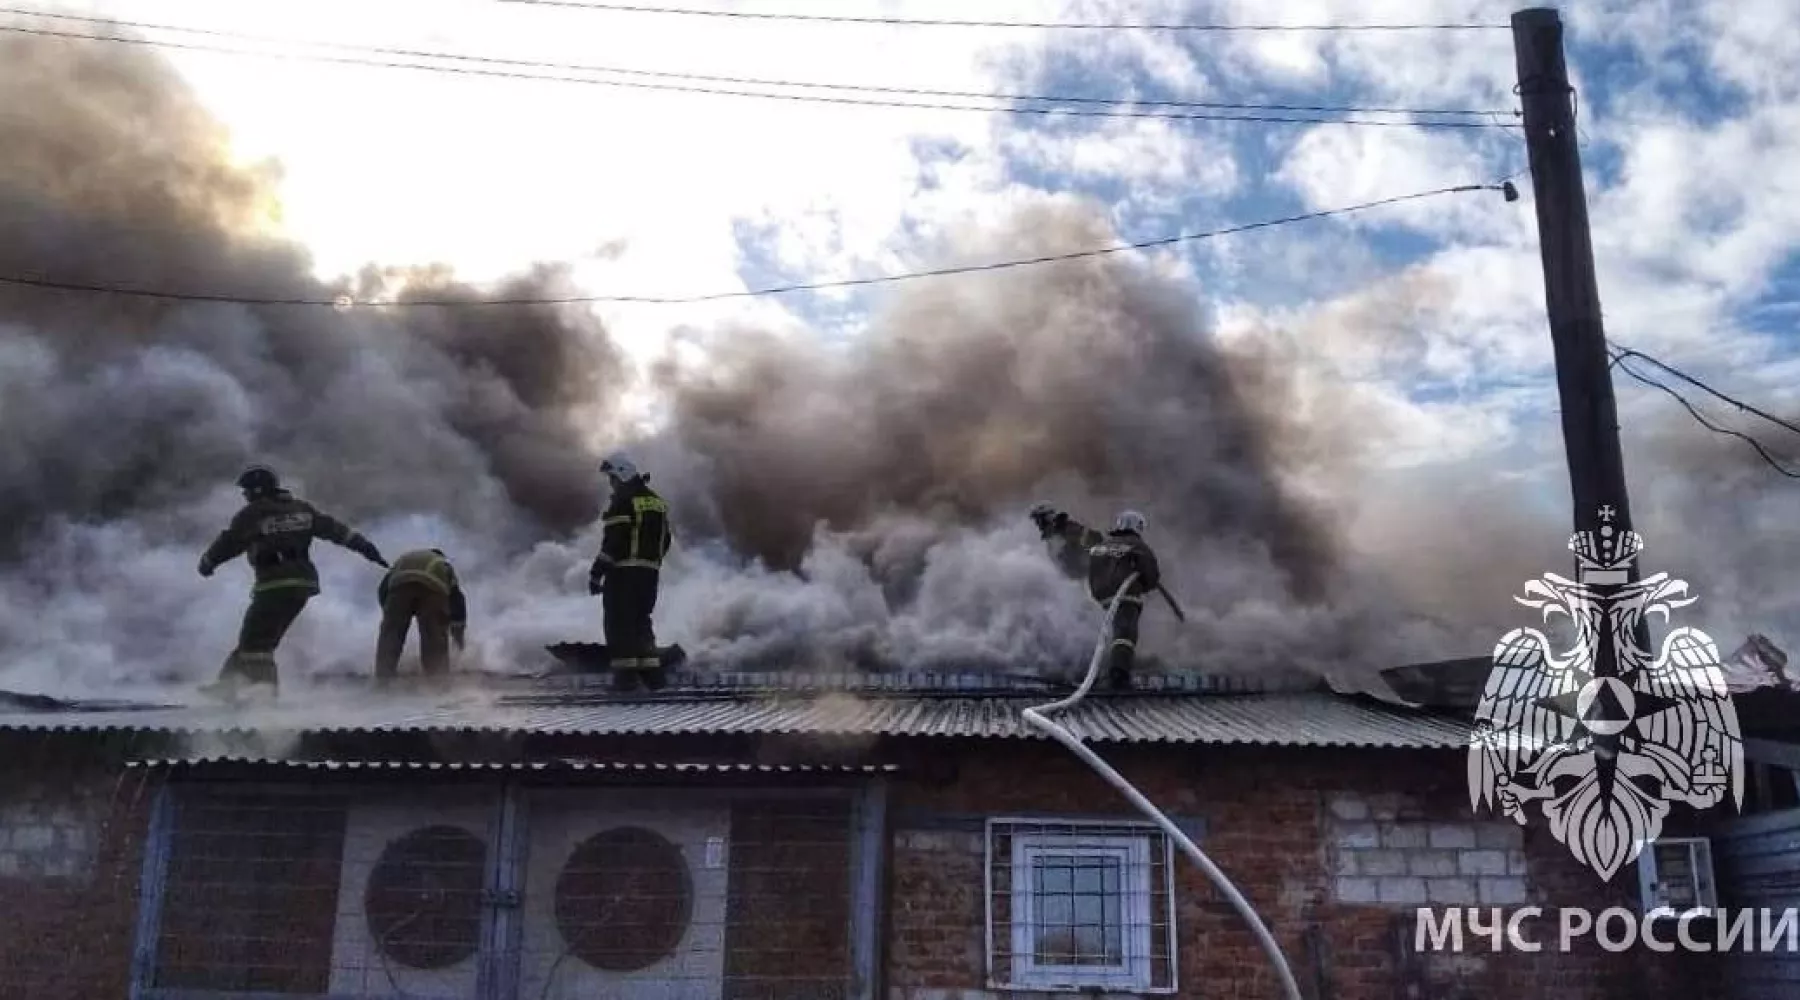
258 480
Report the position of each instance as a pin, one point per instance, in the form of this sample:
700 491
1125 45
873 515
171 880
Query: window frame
1128 842
1700 863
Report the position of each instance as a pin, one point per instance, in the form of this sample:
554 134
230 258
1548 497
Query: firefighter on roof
1068 539
274 531
636 537
422 586
1120 553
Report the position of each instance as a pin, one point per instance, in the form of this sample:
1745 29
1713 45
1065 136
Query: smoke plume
860 507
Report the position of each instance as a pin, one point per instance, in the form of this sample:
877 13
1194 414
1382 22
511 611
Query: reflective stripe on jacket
635 528
426 567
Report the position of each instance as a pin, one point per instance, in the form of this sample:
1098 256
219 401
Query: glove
457 636
1060 521
206 567
596 586
372 554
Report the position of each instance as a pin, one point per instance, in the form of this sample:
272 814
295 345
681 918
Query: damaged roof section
1203 709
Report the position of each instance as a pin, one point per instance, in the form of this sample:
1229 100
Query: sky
1689 114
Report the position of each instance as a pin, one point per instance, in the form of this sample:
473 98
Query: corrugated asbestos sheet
1272 719
613 767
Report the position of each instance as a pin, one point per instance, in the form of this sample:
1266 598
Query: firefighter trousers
266 622
626 608
406 603
1123 650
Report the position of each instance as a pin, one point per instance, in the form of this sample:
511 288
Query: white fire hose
1038 717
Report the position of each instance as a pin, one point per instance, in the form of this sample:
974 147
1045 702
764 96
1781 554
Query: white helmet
618 466
1129 520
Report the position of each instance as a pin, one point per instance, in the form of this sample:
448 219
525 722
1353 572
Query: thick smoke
855 506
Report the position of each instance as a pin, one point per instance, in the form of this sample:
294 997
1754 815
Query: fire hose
1038 717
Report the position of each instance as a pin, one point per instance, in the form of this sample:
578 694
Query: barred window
1080 906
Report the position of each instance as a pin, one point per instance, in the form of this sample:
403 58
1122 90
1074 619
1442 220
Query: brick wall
1335 849
70 832
788 902
1388 849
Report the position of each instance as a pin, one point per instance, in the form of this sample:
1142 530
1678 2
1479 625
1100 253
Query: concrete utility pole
1590 420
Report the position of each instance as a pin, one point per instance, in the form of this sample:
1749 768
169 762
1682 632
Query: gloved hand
206 567
372 554
458 636
596 586
1060 521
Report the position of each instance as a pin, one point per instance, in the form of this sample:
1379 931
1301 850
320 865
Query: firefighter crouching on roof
421 585
1120 553
635 538
274 531
1069 540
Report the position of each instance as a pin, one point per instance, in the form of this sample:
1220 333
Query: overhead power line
1703 387
952 23
750 80
1621 360
344 302
483 66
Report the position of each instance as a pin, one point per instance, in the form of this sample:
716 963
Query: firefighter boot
1118 677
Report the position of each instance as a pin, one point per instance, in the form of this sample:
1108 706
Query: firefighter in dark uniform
1069 540
274 532
1120 553
636 536
423 586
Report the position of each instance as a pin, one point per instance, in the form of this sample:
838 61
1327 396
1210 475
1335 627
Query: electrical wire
346 302
1621 359
757 81
1627 352
948 23
486 71
1039 717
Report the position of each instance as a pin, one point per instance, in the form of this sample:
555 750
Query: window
1675 877
1080 906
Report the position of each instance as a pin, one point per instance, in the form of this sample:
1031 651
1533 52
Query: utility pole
1590 421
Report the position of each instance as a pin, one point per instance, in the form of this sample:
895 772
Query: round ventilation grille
624 899
423 900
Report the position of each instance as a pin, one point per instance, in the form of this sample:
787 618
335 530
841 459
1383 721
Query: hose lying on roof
1039 717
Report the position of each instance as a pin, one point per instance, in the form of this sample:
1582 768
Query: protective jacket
1069 542
1117 556
428 568
635 532
275 533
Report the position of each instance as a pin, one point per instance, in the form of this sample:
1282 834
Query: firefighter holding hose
1105 561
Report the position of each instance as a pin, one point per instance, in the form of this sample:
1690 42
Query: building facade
771 840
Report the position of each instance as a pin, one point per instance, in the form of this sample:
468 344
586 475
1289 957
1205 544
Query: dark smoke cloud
971 396
110 173
863 507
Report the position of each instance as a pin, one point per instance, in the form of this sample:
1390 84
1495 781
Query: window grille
1080 905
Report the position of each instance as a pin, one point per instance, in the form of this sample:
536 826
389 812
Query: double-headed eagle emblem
1603 737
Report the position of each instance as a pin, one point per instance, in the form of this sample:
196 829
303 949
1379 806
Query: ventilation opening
423 901
624 899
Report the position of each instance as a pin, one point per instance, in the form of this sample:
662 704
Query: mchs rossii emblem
1601 737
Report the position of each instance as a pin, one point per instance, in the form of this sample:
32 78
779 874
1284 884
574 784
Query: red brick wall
788 902
1268 826
71 831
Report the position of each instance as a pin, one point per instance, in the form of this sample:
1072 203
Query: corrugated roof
622 767
1318 719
